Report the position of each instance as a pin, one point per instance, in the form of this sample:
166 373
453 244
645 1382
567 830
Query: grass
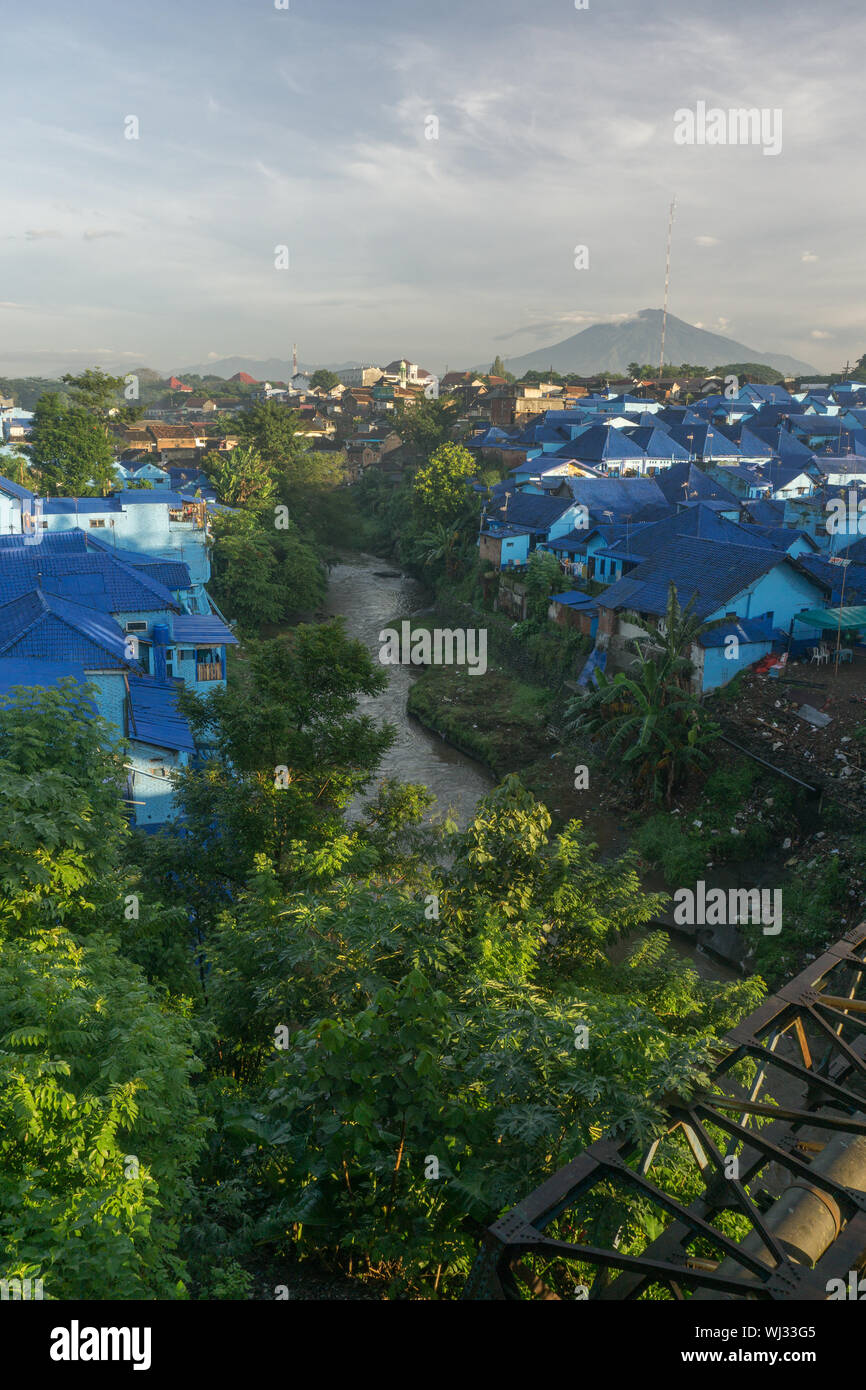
741 813
499 720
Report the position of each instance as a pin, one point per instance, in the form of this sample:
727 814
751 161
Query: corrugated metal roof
203 629
746 630
154 716
845 618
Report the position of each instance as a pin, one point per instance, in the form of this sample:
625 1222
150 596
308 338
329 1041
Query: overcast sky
262 127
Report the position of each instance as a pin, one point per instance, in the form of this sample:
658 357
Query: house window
186 654
95 523
136 627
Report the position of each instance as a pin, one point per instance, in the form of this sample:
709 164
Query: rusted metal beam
821 1210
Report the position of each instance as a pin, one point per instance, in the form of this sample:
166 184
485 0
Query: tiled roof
43 625
710 572
96 579
671 484
528 509
699 522
15 671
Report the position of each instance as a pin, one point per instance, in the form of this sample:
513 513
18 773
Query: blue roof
44 625
638 498
746 630
601 442
528 509
573 598
700 522
500 532
656 442
711 573
202 629
72 506
577 541
170 574
765 511
15 671
96 579
854 577
680 481
705 441
153 496
15 489
154 716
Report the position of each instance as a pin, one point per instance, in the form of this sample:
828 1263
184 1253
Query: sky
309 128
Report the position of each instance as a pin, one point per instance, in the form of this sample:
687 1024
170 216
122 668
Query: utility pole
667 286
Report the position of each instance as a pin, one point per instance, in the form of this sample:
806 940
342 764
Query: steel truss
808 1042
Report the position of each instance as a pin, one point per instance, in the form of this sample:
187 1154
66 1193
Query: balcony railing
208 671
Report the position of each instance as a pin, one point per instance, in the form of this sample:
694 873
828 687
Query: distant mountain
263 369
609 347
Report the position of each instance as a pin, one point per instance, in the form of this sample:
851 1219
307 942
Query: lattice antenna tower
667 286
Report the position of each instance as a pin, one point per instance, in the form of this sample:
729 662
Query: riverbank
739 826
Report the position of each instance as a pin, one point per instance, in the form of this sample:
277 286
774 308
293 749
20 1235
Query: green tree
648 718
439 489
272 429
94 390
241 476
426 425
291 750
70 449
429 1074
324 379
543 578
99 1125
262 574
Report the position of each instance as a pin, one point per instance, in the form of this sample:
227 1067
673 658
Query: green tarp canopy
836 618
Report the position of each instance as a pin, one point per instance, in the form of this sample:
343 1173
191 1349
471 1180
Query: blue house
133 625
727 584
516 522
156 522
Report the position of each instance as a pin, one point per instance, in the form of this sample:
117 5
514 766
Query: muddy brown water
369 599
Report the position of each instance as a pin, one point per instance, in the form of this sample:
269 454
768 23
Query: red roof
245 378
175 384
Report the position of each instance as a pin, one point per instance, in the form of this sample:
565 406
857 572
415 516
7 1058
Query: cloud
95 234
574 321
809 256
41 233
819 334
707 241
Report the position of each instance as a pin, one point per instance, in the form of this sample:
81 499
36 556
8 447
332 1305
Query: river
368 603
370 595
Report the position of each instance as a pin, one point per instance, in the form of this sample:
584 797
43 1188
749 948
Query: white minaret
294 360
